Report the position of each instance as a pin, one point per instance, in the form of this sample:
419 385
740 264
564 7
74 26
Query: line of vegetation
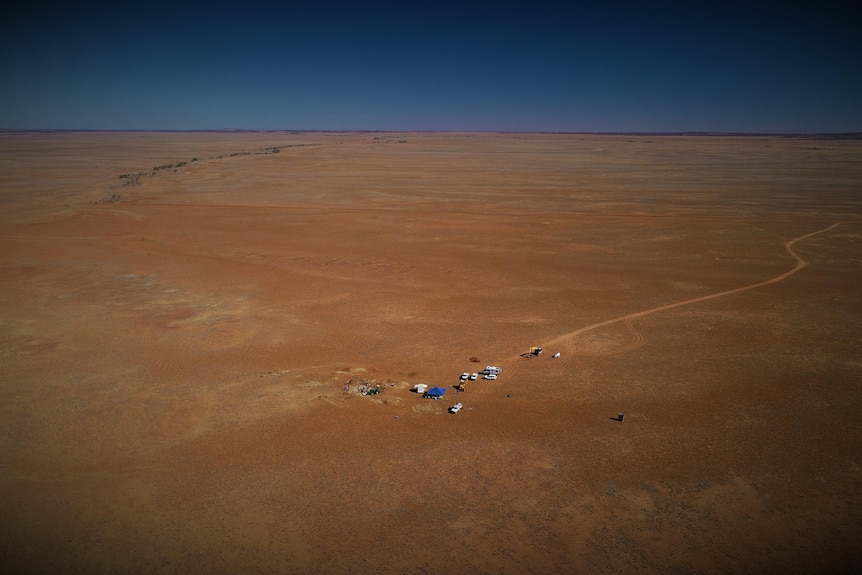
387 140
132 179
174 166
135 179
106 199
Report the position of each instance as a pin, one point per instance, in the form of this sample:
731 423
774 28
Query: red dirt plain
180 313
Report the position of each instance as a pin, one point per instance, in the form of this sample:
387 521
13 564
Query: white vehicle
474 376
490 376
492 369
465 375
455 408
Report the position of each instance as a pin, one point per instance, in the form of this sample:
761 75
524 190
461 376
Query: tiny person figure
620 416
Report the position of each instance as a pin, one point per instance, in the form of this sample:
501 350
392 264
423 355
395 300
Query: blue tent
435 392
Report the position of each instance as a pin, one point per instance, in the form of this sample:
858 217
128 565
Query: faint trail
638 338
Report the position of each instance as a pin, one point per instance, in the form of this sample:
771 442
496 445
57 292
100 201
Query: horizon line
844 135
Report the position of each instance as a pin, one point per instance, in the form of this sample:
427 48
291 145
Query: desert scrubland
186 319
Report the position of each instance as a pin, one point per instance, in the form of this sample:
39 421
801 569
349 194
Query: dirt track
638 337
181 314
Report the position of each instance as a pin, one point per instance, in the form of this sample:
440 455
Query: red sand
175 342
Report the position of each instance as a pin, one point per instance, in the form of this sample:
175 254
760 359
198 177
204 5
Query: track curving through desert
638 339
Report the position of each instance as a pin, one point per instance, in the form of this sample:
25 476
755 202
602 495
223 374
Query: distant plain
186 318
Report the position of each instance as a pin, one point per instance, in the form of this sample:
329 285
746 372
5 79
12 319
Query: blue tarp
435 392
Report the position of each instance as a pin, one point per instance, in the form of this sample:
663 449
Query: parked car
465 375
455 408
474 376
490 376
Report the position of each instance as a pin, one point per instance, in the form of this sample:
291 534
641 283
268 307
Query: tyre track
566 340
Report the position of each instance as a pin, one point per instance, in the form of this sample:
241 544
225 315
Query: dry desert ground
186 320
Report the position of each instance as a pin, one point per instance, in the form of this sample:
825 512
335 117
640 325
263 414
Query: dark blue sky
568 66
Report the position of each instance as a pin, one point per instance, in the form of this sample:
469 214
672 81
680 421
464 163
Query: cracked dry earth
186 320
